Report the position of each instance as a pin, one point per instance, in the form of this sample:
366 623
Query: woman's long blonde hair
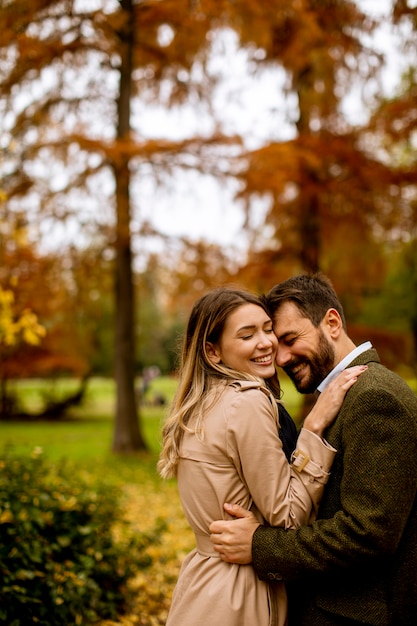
197 375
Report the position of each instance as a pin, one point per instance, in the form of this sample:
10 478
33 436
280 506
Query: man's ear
333 323
213 352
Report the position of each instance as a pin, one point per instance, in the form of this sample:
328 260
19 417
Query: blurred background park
151 150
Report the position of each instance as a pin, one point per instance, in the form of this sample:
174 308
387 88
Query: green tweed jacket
358 560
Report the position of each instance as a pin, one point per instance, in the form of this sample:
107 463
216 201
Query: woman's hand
329 402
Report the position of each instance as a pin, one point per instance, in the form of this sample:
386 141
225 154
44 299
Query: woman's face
248 343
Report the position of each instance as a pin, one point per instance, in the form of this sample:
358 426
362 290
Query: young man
357 563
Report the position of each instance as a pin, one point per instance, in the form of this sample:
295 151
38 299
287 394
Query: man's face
305 352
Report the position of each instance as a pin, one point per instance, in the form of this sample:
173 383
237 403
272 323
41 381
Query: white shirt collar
343 364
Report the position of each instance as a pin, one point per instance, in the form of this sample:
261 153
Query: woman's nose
266 340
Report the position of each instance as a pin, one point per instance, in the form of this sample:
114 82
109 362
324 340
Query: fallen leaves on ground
152 588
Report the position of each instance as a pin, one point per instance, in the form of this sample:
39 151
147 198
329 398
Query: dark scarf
287 431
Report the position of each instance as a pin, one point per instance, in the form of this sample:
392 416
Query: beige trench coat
240 460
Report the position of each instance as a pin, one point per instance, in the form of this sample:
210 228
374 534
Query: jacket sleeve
285 495
377 490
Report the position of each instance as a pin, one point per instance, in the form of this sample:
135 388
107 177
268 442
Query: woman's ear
213 352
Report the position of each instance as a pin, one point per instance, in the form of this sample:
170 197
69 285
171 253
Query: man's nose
283 356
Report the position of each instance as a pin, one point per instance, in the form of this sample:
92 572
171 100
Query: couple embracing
321 525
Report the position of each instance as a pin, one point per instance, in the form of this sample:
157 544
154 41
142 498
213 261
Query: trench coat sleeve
284 495
378 430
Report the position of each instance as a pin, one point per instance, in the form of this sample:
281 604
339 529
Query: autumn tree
48 289
70 78
332 199
69 73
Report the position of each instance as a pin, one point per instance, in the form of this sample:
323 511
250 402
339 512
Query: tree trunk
310 234
127 434
309 220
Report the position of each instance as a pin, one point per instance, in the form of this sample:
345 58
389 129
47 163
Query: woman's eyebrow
248 327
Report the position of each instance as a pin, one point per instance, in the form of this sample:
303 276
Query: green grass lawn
86 434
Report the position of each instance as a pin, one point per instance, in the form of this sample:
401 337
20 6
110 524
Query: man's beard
320 364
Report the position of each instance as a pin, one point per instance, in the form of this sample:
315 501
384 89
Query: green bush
60 562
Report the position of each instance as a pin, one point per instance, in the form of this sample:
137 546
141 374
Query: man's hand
233 539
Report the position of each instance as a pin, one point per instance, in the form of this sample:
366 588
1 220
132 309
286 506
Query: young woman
221 441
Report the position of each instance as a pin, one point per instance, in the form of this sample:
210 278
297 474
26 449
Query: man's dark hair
313 295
